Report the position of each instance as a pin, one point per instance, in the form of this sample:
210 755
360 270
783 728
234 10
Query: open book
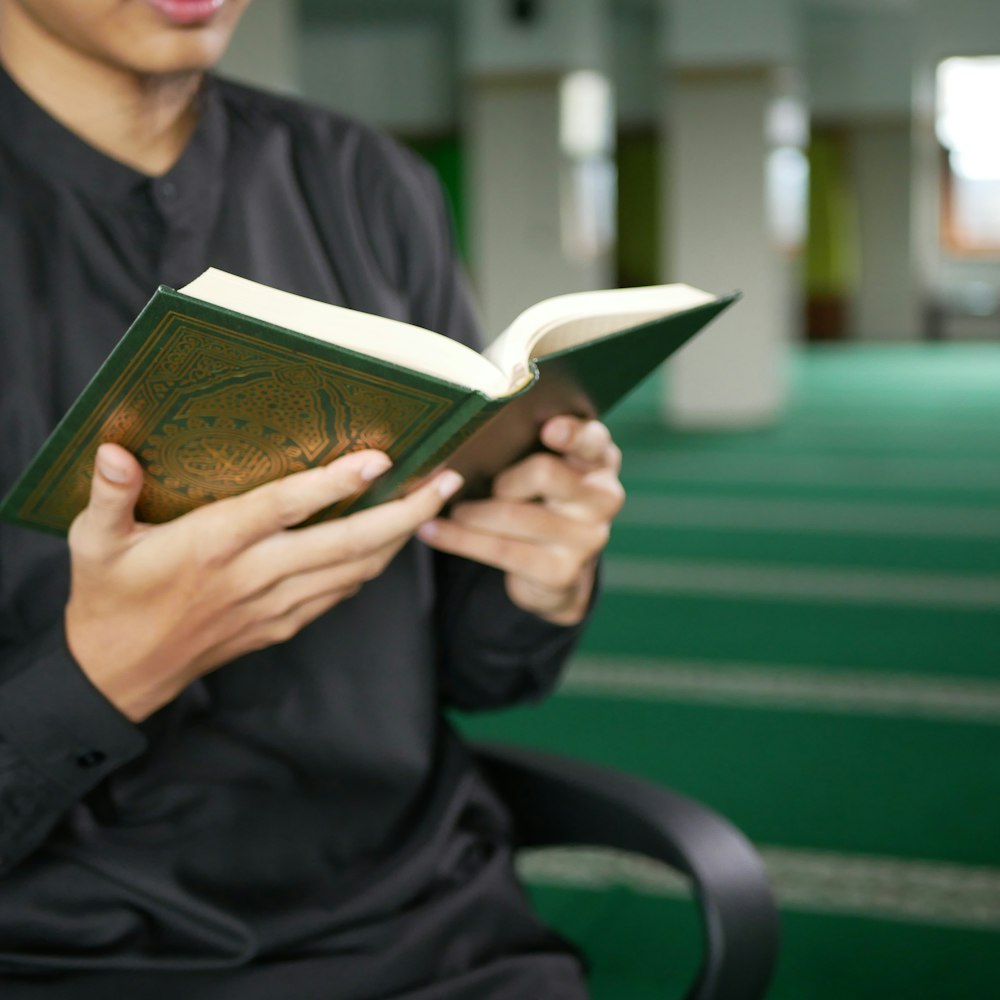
227 384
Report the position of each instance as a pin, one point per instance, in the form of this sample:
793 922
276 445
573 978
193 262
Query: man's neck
142 121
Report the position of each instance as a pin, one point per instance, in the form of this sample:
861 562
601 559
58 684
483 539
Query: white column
265 51
535 209
726 64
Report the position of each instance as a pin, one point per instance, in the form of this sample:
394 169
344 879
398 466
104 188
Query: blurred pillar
727 64
538 123
265 51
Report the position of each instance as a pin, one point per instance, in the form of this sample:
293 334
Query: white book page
568 320
386 339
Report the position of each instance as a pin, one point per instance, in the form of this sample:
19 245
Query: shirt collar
36 138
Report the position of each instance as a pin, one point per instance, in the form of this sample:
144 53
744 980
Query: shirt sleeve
59 737
493 653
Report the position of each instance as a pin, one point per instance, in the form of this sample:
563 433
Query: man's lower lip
187 11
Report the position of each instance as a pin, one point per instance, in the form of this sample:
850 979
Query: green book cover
214 402
585 380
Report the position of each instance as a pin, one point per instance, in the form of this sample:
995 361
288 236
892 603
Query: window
586 135
968 95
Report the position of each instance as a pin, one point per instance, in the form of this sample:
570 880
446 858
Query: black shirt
302 822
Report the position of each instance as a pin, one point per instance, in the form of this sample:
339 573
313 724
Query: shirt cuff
499 655
509 630
57 720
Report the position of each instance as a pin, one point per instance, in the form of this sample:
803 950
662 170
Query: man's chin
185 36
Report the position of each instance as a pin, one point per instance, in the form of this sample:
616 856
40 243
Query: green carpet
801 627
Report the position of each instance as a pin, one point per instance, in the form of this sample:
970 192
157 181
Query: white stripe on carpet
802 583
754 685
823 882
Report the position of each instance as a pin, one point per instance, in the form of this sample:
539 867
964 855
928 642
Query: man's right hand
154 607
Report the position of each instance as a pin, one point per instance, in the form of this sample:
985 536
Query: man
224 767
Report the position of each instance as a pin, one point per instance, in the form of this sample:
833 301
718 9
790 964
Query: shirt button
91 758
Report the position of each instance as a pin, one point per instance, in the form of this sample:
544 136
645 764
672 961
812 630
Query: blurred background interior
801 618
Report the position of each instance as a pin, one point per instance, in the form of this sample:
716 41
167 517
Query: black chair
556 801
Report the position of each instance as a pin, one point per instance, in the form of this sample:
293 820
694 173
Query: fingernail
559 434
374 467
428 532
109 467
449 483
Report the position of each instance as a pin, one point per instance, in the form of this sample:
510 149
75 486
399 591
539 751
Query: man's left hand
547 521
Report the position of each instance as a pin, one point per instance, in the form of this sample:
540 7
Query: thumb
114 491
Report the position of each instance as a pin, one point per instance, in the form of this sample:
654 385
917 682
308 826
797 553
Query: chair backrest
558 801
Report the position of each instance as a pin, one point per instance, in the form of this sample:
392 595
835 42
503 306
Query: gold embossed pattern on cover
211 412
